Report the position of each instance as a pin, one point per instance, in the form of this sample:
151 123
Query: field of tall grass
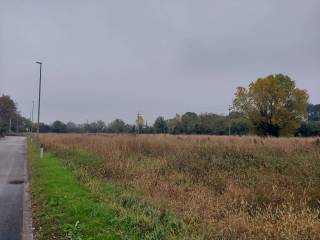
221 187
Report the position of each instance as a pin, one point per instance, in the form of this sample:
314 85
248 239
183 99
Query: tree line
270 106
187 123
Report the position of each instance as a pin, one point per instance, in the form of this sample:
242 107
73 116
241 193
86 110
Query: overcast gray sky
111 59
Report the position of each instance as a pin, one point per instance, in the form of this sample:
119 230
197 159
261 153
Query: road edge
27 229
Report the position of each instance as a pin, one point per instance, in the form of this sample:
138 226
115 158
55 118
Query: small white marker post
41 151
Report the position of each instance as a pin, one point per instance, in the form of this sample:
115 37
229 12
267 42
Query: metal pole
39 102
229 120
32 116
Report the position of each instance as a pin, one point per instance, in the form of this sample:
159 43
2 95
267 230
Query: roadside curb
27 230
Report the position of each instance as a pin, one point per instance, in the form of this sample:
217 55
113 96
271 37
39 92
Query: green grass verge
69 204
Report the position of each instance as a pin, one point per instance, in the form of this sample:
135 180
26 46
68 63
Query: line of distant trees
269 106
188 123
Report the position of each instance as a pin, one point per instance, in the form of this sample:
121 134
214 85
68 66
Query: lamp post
39 101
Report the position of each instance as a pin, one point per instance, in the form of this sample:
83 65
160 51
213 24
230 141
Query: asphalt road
12 164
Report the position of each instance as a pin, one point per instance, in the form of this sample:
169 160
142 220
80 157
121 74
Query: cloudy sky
107 59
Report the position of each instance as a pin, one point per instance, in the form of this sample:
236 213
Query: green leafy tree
58 127
93 127
273 104
174 125
101 126
160 125
190 122
8 110
241 126
210 123
72 127
117 126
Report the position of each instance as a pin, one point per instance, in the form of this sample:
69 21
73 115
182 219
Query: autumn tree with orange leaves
274 105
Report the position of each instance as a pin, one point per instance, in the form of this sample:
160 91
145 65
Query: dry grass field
221 187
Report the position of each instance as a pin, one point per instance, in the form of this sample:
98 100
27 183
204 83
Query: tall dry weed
238 187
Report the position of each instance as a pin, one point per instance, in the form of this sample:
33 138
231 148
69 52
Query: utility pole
10 126
39 102
230 108
32 116
87 126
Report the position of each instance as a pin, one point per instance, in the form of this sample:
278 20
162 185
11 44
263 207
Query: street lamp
38 138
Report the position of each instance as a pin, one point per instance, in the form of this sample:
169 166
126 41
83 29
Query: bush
309 129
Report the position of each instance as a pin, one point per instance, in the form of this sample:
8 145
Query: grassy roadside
68 204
